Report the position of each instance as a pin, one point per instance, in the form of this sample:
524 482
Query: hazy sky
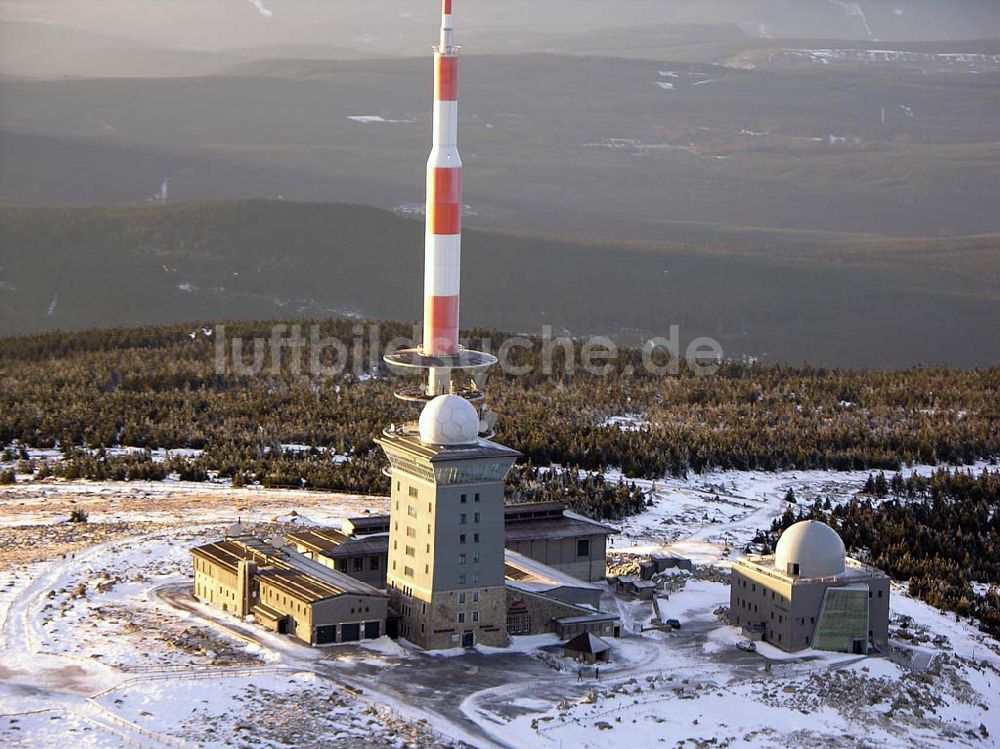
380 25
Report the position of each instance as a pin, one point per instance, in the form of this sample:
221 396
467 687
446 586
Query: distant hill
841 301
606 147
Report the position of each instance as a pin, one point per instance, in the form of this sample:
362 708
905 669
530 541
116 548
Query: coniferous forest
160 387
941 534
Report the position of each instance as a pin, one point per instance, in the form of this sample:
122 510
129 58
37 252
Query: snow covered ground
98 647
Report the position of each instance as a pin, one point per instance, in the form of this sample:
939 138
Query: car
747 646
672 623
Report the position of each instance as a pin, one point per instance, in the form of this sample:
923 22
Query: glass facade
843 622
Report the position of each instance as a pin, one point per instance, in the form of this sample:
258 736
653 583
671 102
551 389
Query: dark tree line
158 387
941 533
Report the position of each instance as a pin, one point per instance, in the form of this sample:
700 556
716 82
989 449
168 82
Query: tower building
446 539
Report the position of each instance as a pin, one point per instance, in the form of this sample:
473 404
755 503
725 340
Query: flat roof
408 440
853 570
598 616
520 511
368 521
567 525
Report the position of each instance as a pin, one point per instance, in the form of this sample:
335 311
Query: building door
350 632
859 647
468 639
326 634
371 630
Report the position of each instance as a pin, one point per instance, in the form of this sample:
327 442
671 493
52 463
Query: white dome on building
810 549
449 420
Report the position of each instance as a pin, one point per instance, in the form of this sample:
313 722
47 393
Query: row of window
461 617
358 563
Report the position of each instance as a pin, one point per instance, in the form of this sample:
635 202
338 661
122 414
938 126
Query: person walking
597 673
579 674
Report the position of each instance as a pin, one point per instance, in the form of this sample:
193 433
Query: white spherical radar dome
449 420
810 549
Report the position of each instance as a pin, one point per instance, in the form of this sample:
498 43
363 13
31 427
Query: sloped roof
587 642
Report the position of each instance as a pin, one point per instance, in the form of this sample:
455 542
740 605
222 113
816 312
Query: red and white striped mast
440 352
443 242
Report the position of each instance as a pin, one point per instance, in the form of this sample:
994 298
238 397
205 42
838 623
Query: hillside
608 147
832 300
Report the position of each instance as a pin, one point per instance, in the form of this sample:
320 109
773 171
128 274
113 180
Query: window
475 557
429 507
411 532
359 564
463 519
475 596
461 617
427 569
461 579
461 539
880 594
475 616
410 551
461 558
477 496
461 597
462 500
475 577
477 517
583 547
427 548
397 486
428 528
394 564
475 537
395 545
408 571
411 511
413 492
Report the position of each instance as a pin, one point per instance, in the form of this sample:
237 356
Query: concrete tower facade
446 540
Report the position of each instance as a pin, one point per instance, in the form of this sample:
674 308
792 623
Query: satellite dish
488 421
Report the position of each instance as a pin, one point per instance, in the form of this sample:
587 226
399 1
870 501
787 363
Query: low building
544 599
531 576
587 647
551 534
287 592
809 594
634 586
320 608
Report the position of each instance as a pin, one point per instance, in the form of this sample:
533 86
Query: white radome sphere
812 545
449 420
